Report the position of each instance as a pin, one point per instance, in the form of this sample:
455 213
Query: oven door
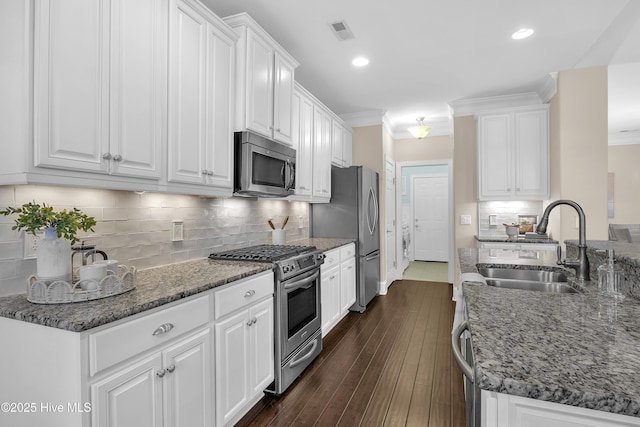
265 172
300 310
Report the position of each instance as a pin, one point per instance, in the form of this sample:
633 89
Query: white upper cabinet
99 85
513 154
265 81
201 76
347 148
303 142
321 154
336 144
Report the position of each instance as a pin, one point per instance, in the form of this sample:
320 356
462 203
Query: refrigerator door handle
370 224
375 255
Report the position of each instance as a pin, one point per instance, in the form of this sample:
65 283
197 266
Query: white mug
111 264
93 272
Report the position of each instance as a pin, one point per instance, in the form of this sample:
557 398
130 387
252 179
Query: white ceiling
426 55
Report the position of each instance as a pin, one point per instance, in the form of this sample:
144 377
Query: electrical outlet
31 244
465 219
177 230
300 222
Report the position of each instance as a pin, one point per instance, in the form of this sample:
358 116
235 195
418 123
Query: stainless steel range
298 337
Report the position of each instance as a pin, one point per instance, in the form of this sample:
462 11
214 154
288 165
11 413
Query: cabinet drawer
331 258
113 345
347 252
242 293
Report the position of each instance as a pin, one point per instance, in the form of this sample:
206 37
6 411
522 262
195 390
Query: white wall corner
548 87
624 138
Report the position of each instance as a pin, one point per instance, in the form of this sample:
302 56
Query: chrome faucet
580 265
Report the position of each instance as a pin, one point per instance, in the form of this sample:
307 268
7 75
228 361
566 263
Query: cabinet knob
106 156
252 321
171 368
205 172
161 373
249 293
163 329
117 158
278 130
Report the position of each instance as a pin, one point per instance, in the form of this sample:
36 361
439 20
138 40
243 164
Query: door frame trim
436 162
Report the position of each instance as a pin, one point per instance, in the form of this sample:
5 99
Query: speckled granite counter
575 349
519 239
154 287
323 244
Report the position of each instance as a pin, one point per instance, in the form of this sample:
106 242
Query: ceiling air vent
341 30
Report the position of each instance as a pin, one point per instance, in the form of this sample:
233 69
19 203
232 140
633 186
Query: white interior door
430 199
390 220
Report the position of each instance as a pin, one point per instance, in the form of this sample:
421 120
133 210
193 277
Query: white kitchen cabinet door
347 284
259 84
531 172
98 86
188 382
261 353
71 84
132 397
200 98
330 293
303 143
321 154
232 360
336 144
347 148
513 155
282 99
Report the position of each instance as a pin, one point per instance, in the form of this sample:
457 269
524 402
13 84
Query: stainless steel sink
532 285
519 274
530 280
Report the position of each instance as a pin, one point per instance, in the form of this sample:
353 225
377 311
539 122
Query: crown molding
364 118
471 107
548 87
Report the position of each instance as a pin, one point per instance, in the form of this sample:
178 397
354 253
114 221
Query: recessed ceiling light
522 33
360 61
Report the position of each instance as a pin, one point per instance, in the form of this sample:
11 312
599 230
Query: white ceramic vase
53 257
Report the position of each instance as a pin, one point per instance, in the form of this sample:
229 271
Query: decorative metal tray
61 292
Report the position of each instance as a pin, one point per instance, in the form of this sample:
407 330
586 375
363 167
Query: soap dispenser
611 278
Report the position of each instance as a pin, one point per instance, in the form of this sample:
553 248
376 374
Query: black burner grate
265 253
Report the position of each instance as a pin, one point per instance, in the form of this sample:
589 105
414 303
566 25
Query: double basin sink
531 280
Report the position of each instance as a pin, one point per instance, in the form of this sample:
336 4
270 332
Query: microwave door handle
292 175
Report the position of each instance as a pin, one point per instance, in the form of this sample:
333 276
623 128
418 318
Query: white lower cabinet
172 387
337 285
518 246
504 410
244 347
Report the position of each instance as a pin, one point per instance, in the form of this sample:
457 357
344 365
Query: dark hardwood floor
390 366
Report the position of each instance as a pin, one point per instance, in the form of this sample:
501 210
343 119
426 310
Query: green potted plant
60 231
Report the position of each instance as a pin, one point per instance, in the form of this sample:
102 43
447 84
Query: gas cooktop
263 253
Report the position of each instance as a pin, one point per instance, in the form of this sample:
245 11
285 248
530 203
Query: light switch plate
493 219
177 230
465 219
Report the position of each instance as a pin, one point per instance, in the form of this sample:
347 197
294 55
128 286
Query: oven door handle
457 354
303 282
309 354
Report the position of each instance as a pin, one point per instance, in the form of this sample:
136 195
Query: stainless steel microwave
263 167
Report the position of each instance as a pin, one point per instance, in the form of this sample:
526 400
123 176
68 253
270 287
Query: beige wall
578 131
465 180
623 163
430 148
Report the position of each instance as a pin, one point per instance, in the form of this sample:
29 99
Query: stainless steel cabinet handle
249 293
171 368
117 158
163 329
106 156
455 338
161 373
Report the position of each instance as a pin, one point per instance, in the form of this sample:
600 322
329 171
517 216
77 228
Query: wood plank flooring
390 366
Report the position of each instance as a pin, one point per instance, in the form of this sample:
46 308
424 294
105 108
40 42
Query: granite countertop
321 243
576 349
154 287
518 239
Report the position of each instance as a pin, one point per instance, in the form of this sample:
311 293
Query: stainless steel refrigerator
353 213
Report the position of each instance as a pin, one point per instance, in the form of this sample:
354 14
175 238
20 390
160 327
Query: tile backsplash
135 228
506 213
